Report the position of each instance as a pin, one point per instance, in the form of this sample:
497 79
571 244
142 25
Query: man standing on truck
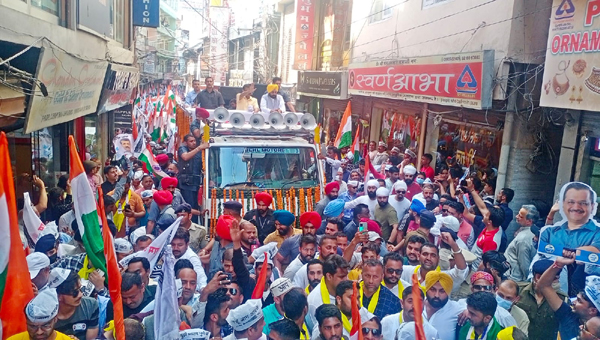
190 169
262 216
209 98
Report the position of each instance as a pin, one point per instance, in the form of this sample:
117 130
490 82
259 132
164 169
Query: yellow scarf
304 335
119 217
347 324
324 292
400 317
400 286
374 298
85 272
307 290
417 272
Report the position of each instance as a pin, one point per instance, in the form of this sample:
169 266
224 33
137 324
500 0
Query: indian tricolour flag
84 203
354 149
356 330
149 160
15 284
344 134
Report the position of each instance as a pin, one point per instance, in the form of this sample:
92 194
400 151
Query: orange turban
223 225
264 197
272 87
330 186
168 181
163 197
311 217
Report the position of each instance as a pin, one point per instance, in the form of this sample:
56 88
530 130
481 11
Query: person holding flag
391 324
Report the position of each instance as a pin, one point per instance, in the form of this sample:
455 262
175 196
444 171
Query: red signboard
463 80
305 27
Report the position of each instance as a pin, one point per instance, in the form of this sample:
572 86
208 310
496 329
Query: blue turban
45 243
334 208
284 217
416 205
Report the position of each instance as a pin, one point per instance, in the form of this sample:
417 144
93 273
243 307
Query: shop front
432 105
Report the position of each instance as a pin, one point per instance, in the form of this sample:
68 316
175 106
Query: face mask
420 181
556 286
53 258
503 303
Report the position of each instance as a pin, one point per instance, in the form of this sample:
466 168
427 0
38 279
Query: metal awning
12 105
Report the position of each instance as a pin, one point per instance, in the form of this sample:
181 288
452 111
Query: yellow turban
506 334
272 87
434 277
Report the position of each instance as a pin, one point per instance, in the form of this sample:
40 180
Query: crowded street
299 170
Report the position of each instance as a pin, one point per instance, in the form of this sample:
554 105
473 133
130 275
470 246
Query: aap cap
58 276
245 315
592 289
36 262
122 246
43 307
281 286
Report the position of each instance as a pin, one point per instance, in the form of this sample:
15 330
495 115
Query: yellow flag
318 134
206 133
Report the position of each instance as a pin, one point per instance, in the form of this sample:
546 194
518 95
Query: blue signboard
146 13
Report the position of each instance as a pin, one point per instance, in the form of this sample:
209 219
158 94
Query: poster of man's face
123 144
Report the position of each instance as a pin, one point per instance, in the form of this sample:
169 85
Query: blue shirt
348 213
508 215
388 303
587 235
190 96
271 315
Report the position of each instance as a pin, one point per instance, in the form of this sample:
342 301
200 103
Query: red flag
134 127
261 281
418 307
15 283
356 331
114 274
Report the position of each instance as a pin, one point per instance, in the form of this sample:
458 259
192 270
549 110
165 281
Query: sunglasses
374 331
392 271
444 210
400 191
75 292
233 291
480 288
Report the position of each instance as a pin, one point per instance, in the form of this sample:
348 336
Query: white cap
123 246
353 183
592 289
36 262
281 286
427 181
451 223
382 192
245 315
373 183
409 170
373 236
87 287
136 234
400 185
261 259
388 167
58 276
51 229
43 307
382 144
194 334
396 149
138 175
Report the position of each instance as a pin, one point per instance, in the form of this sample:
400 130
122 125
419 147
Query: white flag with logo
166 309
33 224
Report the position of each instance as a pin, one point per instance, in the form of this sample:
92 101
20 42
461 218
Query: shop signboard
146 13
305 29
572 67
463 79
320 84
118 87
74 86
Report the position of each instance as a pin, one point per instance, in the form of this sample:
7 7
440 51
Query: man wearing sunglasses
392 271
41 315
77 315
371 329
398 201
391 323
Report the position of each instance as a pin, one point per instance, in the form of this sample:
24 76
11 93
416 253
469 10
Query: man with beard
481 323
348 196
358 213
429 260
584 307
441 312
234 261
391 323
272 101
465 230
181 250
274 312
413 250
373 295
249 241
335 270
187 276
344 301
394 176
385 214
392 271
331 193
330 327
412 187
308 248
428 194
197 232
284 221
521 251
262 216
314 273
215 313
327 247
398 201
370 199
290 248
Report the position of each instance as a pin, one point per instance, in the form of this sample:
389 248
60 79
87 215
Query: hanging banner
219 43
305 29
572 67
463 79
74 86
118 87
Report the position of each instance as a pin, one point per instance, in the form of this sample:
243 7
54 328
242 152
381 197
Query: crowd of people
274 100
438 227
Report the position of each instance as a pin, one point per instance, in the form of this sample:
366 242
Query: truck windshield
262 167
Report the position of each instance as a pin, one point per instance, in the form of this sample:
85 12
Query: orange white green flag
15 283
344 134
